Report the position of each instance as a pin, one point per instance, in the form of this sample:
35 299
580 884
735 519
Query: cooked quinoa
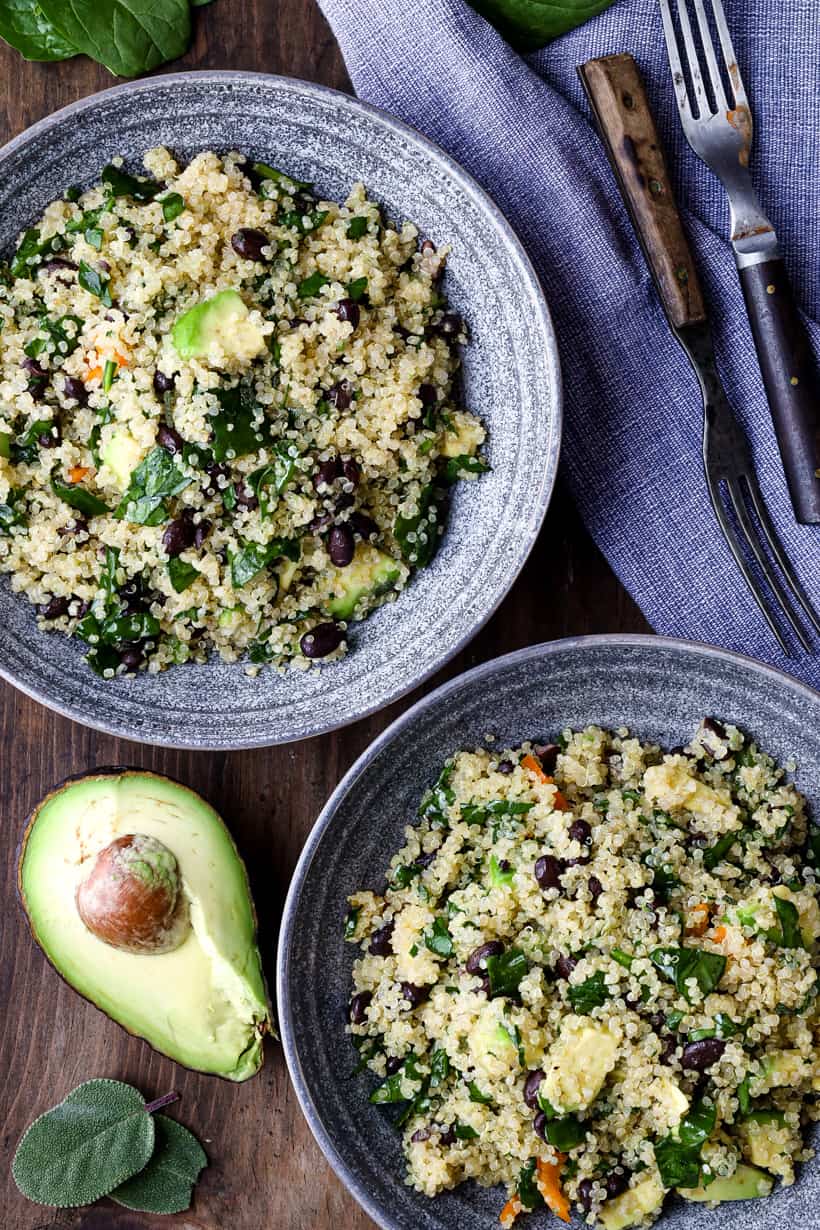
591 976
228 414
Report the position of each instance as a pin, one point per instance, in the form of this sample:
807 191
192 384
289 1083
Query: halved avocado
115 832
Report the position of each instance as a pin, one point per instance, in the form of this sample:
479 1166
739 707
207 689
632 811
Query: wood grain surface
266 1172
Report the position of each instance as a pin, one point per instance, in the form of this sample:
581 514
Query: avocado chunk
370 573
578 1063
122 454
492 1041
747 1183
221 324
633 1206
171 955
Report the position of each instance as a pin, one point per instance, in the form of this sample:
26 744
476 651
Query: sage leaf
529 24
128 36
25 27
80 1150
166 1183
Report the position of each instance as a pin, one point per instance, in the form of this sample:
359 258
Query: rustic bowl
511 377
660 689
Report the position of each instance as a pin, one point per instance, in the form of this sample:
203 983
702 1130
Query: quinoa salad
591 977
229 414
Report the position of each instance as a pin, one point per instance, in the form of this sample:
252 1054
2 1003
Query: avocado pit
132 898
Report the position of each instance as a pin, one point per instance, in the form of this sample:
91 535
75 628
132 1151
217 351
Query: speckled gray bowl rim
475 676
469 185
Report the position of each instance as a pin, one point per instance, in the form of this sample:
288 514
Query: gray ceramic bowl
660 689
511 379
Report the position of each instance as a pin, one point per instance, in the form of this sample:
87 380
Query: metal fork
719 129
621 108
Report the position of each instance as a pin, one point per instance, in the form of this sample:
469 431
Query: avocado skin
265 1027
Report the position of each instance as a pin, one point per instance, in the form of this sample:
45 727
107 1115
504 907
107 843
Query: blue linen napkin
632 443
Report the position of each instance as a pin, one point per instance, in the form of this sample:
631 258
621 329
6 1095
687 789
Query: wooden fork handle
790 378
616 91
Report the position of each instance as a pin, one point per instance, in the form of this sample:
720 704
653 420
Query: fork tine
673 52
711 58
740 560
767 525
691 50
749 534
729 56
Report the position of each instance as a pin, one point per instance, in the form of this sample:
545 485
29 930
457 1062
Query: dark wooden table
266 1172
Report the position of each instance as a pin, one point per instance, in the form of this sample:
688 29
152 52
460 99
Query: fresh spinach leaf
181 574
787 916
273 477
11 513
465 1132
717 853
128 36
172 206
592 993
24 25
417 536
301 221
529 24
26 449
286 182
357 228
438 798
439 1067
438 938
527 1187
121 183
32 250
678 1155
77 497
238 427
456 467
505 971
477 1096
154 481
479 813
351 921
95 281
254 556
309 287
681 964
357 289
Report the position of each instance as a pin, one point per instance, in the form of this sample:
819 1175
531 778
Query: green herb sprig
105 1140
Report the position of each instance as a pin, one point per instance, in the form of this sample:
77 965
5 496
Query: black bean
531 1086
714 726
447 1136
595 887
55 263
699 1056
133 595
548 871
340 395
547 753
349 312
580 831
178 535
668 1050
564 966
81 608
358 1007
162 383
320 523
362 525
381 941
539 1125
392 1064
131 658
343 501
321 640
477 959
202 531
215 472
421 1134
50 439
75 389
248 243
245 497
428 394
170 440
341 545
424 860
352 471
505 766
54 608
615 1182
39 377
658 1021
327 472
414 995
450 325
78 526
585 1195
427 245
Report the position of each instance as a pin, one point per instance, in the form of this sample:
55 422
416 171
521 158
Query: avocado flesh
747 1183
221 322
370 573
203 1004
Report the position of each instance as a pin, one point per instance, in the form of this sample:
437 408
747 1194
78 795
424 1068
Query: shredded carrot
77 473
510 1211
549 1185
700 922
96 372
534 765
719 934
92 374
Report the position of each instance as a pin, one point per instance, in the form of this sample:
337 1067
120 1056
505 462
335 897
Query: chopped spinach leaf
477 1096
95 281
309 287
456 467
290 185
254 556
172 206
417 536
681 964
438 938
11 513
357 289
678 1155
357 227
120 183
434 804
239 427
77 497
717 853
505 971
351 922
273 477
465 1132
156 479
527 1186
592 993
181 574
32 250
439 1067
789 935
